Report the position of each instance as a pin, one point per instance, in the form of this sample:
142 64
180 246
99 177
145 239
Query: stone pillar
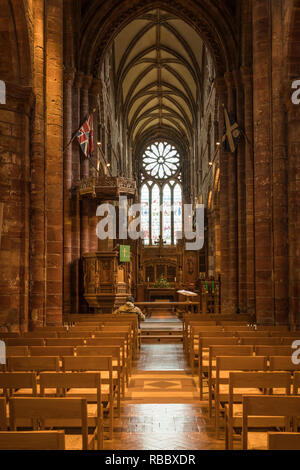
37 194
15 201
232 207
249 190
280 163
54 162
221 91
68 83
293 212
93 219
241 196
262 96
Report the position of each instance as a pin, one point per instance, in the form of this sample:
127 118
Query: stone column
68 83
293 212
232 206
241 196
54 162
280 163
221 91
249 190
37 193
262 96
15 197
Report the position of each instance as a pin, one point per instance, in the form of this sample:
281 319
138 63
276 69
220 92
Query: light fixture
210 163
108 165
99 143
218 144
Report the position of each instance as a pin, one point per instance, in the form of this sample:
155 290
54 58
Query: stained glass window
161 194
167 237
161 160
155 212
145 217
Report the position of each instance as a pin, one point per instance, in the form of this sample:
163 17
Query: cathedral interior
120 121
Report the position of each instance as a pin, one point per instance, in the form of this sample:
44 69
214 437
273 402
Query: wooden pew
32 440
215 351
283 441
239 385
267 405
65 342
203 348
100 364
226 364
25 342
115 353
33 363
53 412
64 384
18 384
17 351
3 423
40 334
58 351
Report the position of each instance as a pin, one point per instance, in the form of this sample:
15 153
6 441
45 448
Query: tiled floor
162 410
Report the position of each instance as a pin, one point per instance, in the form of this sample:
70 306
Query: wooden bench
267 405
283 441
77 385
32 440
53 412
100 364
239 384
33 363
18 383
215 351
3 420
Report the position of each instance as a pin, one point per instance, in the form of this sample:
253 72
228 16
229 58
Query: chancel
149 159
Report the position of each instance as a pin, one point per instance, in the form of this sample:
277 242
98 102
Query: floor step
162 339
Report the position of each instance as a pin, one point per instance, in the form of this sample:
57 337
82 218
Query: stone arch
16 54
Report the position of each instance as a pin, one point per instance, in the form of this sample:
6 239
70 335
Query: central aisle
162 410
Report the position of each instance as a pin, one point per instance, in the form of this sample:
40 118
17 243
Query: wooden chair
272 351
267 405
283 363
25 342
283 441
58 351
226 364
240 383
214 351
53 412
32 440
204 344
65 342
17 351
35 363
118 369
80 384
103 365
3 422
18 383
115 334
40 334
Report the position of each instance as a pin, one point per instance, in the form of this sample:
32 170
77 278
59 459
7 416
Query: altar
161 293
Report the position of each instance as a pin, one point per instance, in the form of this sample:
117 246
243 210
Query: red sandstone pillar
249 190
54 162
262 96
232 207
224 216
241 204
294 213
68 83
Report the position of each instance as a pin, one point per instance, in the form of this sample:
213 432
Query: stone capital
87 82
69 76
96 86
78 79
247 77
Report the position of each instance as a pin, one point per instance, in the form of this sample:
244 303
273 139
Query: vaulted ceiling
158 69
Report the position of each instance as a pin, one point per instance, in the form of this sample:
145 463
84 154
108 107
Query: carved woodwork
106 280
108 187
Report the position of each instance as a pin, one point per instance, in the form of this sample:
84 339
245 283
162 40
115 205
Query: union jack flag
85 136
